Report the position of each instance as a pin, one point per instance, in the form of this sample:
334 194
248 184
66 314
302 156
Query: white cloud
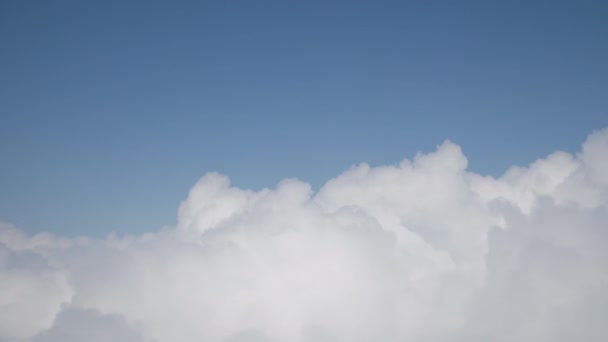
77 325
423 251
31 291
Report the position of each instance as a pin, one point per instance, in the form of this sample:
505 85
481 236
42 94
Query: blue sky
111 110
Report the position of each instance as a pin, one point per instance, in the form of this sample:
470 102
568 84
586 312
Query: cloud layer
420 251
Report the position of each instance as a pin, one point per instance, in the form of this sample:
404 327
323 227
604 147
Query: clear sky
111 110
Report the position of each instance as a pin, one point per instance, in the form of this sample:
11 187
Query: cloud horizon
422 250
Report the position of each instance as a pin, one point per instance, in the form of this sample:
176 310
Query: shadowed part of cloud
77 325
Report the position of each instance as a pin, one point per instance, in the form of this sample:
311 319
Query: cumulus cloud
424 250
77 325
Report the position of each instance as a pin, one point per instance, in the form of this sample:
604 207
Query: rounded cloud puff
424 250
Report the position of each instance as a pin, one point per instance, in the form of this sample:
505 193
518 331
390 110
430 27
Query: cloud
77 325
424 250
31 290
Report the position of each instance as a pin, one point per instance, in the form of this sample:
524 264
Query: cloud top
424 250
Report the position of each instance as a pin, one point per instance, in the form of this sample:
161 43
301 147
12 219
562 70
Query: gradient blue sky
111 110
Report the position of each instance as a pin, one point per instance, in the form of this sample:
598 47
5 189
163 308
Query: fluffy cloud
424 250
77 325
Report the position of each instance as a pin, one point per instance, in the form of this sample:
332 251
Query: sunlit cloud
420 251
